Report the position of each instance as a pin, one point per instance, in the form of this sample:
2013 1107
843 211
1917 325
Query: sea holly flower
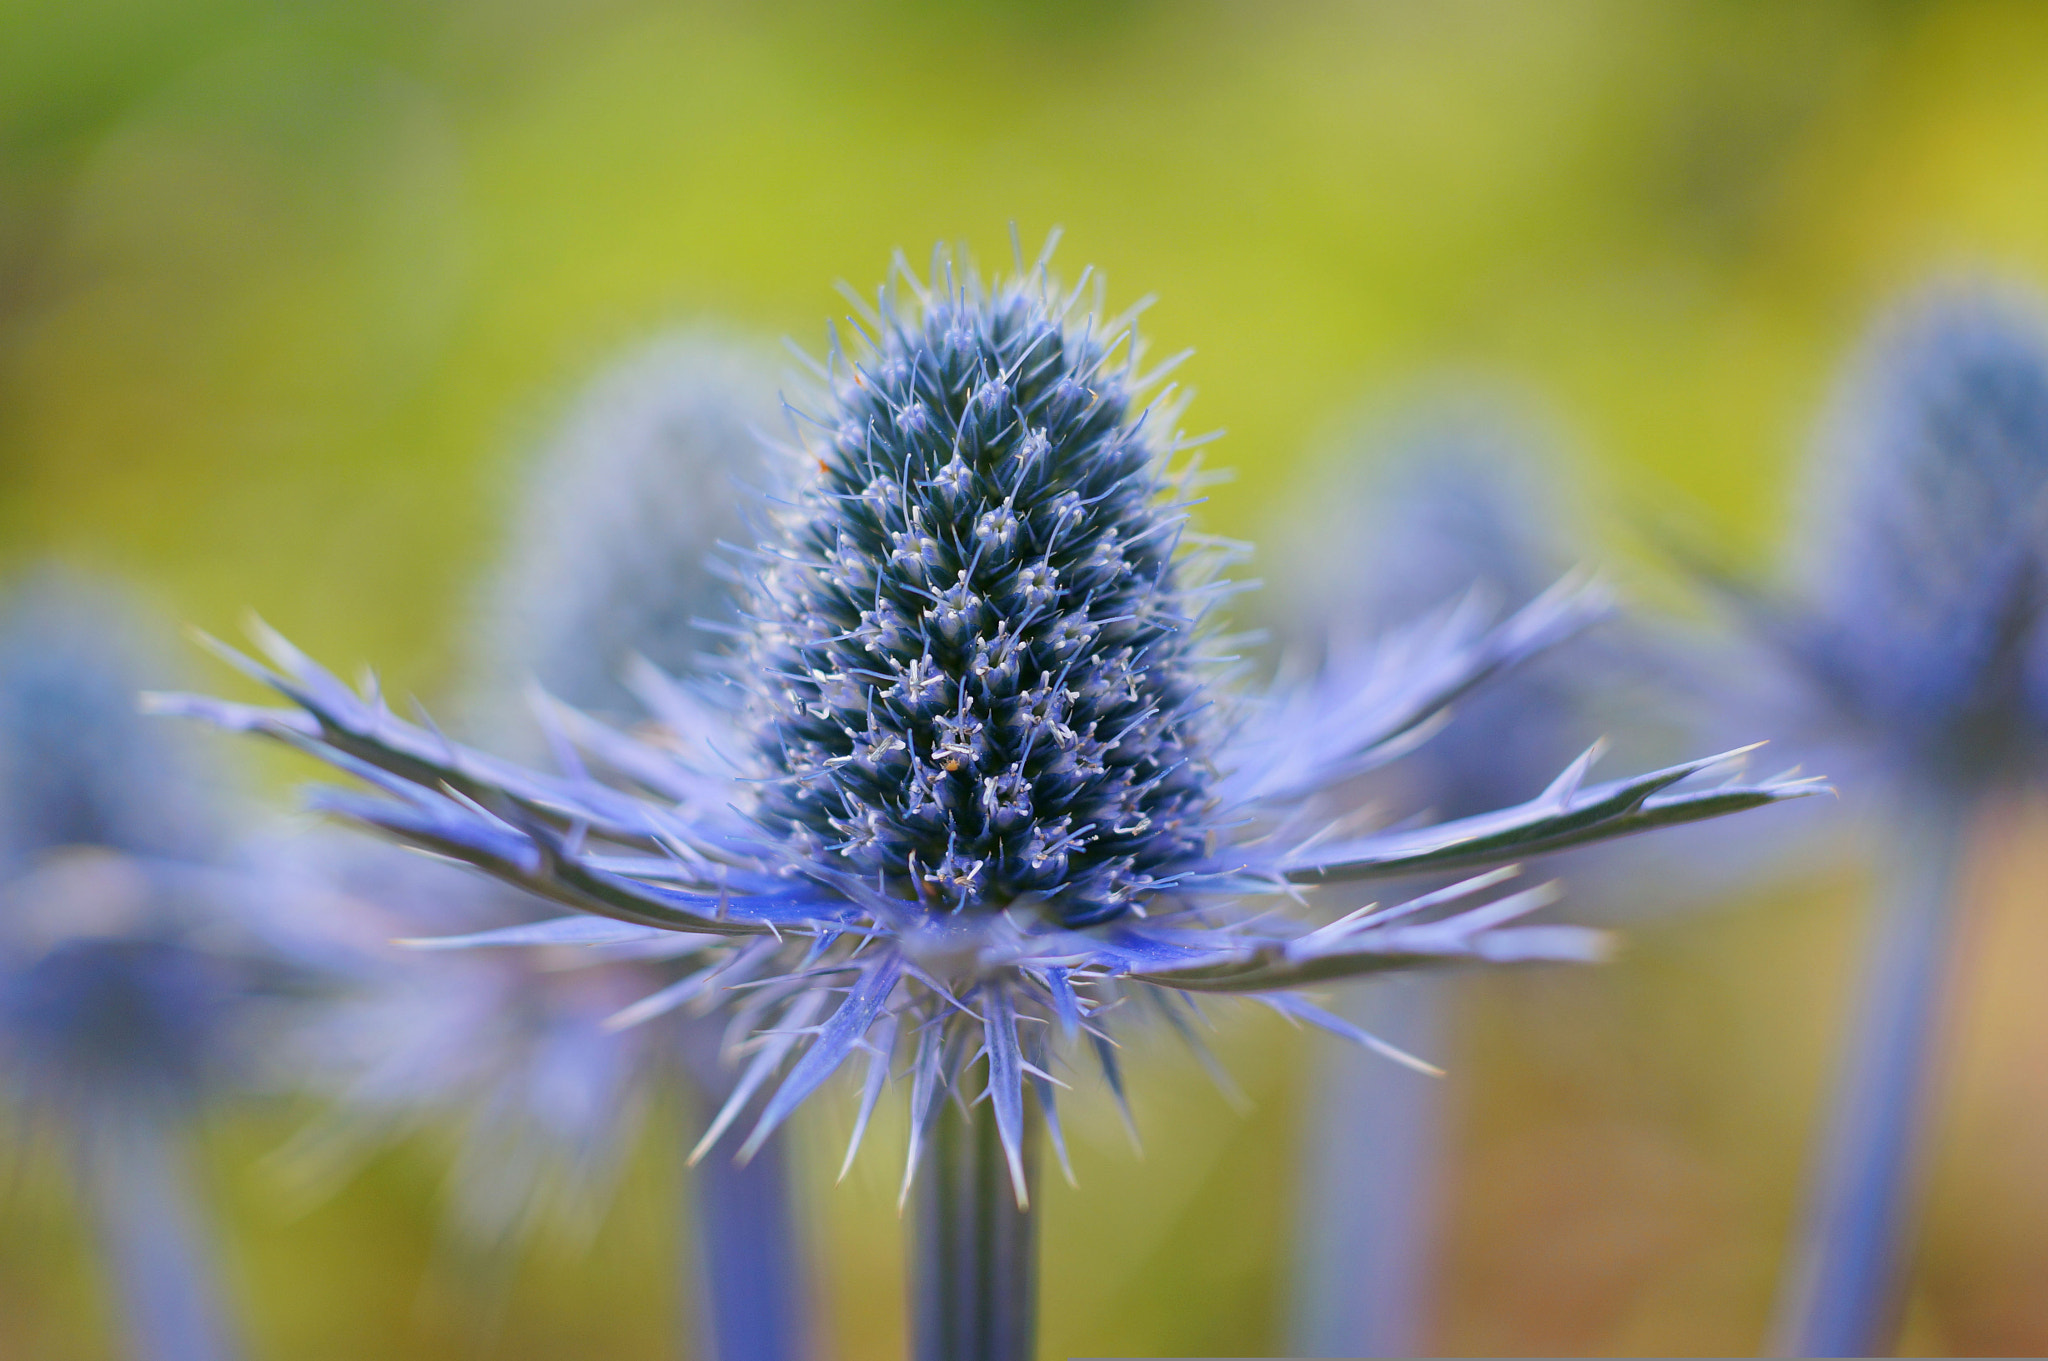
979 768
1914 653
610 552
138 968
1443 504
1915 628
545 1061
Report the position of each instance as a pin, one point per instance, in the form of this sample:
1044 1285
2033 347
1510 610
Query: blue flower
978 767
1915 651
1445 506
1917 640
116 1003
533 1055
545 1061
139 971
610 554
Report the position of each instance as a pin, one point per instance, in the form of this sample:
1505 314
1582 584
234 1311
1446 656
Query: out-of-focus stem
973 1251
1842 1292
154 1243
1369 1182
753 1301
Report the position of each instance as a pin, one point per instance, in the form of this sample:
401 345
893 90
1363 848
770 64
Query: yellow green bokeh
286 291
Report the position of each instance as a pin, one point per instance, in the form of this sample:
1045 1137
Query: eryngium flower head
1449 505
122 967
976 773
1920 636
981 632
612 544
609 569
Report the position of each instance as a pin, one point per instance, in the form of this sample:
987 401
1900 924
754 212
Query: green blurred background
287 289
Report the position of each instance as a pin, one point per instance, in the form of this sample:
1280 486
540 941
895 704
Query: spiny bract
973 777
988 685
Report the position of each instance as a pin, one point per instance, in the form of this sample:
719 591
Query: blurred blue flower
611 553
1447 504
1451 503
136 972
977 769
1913 655
1914 642
539 1057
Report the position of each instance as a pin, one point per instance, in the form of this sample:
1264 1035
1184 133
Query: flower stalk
150 1232
974 1243
1369 1191
1844 1297
750 1279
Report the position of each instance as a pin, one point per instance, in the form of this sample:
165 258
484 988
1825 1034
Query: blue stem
1368 1186
974 1252
752 1296
1842 1295
153 1240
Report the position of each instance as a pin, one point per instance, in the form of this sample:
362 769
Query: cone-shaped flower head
1928 568
114 998
608 569
974 764
612 544
986 674
1448 505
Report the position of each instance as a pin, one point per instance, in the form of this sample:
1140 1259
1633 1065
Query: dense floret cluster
1932 557
987 685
